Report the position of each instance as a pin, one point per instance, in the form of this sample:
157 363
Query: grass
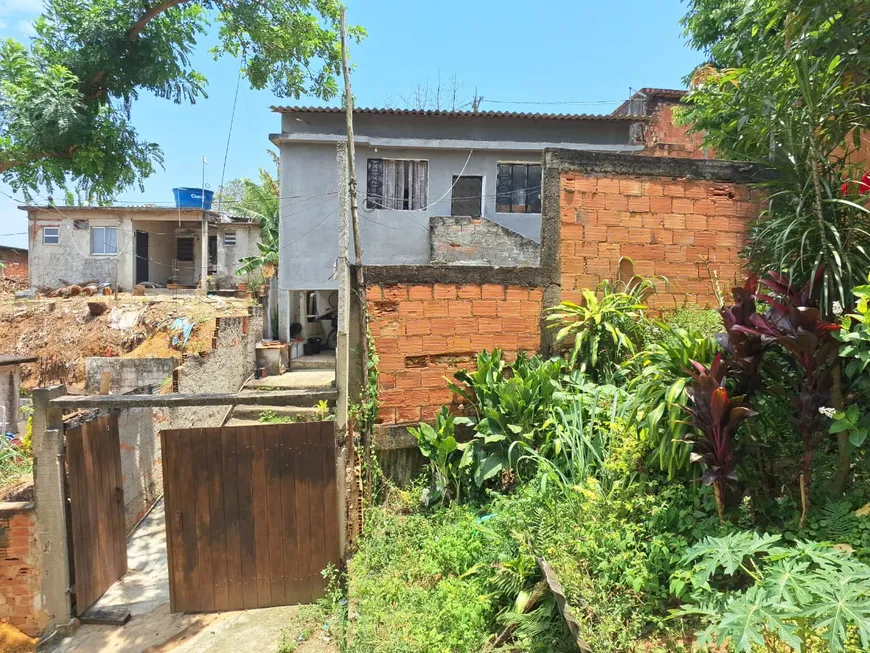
14 463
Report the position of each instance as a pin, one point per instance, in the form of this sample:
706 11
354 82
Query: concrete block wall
424 332
461 240
127 374
20 564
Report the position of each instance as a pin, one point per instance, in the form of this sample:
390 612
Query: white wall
71 260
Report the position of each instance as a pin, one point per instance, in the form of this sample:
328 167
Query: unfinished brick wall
424 332
667 227
20 568
662 136
15 271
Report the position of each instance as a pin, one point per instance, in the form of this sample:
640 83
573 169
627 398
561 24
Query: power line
230 133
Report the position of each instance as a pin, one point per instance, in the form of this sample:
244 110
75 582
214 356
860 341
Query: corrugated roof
456 114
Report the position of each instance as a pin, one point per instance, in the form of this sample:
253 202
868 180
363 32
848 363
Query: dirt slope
63 332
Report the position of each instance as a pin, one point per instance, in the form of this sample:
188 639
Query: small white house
133 245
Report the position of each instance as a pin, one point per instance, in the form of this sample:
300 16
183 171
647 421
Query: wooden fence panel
252 514
97 506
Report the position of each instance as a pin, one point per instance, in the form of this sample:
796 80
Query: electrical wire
229 134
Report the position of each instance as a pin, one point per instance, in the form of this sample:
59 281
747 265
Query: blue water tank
194 198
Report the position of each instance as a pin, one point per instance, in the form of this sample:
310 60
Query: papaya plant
784 596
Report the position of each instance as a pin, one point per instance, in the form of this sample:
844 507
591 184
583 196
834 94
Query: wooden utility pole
366 434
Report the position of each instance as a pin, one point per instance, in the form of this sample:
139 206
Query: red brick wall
425 332
663 137
667 227
19 570
15 271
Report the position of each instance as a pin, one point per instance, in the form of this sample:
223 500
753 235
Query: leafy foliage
260 201
657 393
65 100
716 418
605 327
510 401
792 592
786 85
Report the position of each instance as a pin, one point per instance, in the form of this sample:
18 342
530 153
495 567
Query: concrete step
324 361
307 397
317 379
297 412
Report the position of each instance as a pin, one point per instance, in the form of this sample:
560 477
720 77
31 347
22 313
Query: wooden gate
251 514
97 505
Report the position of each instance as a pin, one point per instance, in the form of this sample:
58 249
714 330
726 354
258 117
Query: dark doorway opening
467 196
141 256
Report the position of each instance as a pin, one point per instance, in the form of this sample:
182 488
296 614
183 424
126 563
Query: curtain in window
397 184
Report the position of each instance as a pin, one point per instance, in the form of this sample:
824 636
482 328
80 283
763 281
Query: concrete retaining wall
127 374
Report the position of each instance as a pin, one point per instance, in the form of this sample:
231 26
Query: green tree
65 101
260 201
786 84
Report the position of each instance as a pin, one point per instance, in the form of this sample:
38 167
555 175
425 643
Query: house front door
141 256
467 196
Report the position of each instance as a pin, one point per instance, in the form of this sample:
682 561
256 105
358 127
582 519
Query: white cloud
28 7
2 25
26 28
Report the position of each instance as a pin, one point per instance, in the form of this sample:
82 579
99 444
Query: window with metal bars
518 188
397 184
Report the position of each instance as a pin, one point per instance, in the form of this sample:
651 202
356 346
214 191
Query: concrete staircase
314 375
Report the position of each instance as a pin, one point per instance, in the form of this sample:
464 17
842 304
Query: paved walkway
144 589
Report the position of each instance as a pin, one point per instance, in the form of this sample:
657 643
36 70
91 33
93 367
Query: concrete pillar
10 380
342 350
51 506
126 277
203 254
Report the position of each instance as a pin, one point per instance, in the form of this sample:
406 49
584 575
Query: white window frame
91 244
230 239
57 235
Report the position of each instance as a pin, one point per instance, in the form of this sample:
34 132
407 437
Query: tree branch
8 164
150 14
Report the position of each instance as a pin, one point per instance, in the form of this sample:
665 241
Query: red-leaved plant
795 323
745 349
716 416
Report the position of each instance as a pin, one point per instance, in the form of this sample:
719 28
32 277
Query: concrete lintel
600 164
449 143
17 360
276 398
527 276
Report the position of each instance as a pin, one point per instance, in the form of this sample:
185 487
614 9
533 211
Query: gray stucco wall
471 146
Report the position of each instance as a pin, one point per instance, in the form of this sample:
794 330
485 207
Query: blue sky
578 51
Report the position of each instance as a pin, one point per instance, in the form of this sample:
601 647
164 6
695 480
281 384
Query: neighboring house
13 263
446 187
132 245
